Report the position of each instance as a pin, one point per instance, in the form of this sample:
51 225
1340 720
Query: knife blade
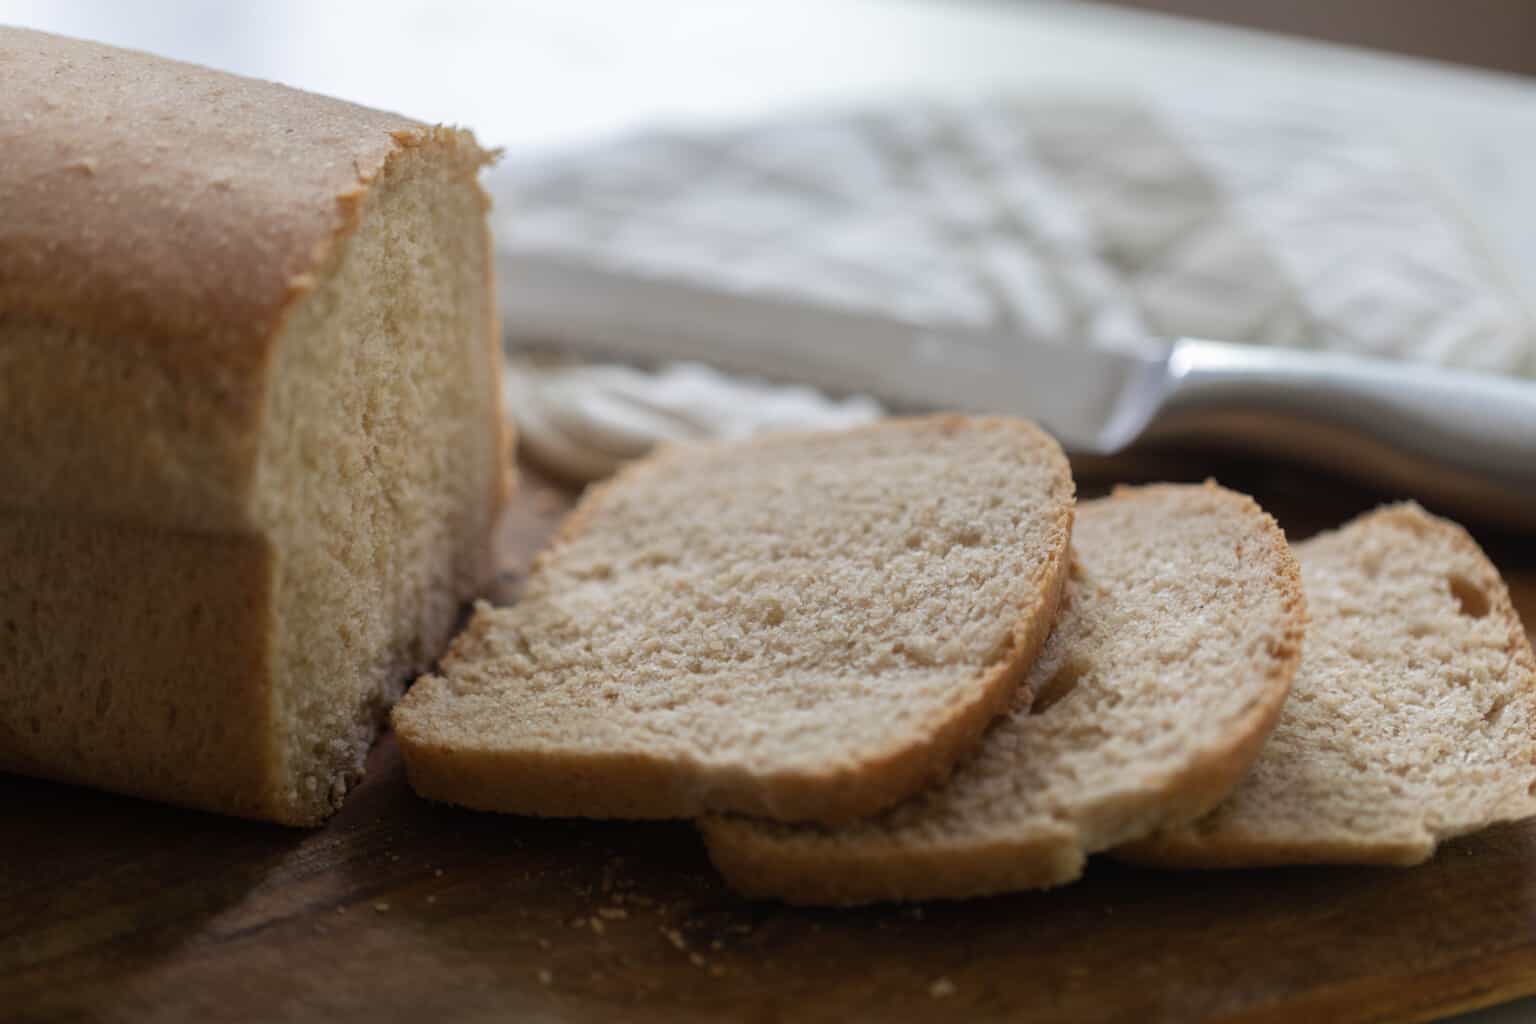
1461 439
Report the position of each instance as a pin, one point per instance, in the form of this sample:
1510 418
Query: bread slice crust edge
825 874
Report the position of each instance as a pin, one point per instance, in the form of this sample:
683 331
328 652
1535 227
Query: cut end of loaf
380 473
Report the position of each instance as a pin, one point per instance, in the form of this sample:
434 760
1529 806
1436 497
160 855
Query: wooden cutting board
402 910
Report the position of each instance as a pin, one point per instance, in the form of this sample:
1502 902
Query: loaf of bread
1413 717
253 450
1179 633
803 626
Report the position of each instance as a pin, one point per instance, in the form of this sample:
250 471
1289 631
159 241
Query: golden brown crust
178 212
835 877
250 183
626 785
166 233
93 690
760 864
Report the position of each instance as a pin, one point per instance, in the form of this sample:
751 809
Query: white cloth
583 422
1080 221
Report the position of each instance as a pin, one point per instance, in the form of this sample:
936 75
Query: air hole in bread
1496 709
1057 688
969 537
1469 596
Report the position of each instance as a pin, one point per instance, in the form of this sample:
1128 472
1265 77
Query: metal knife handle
1462 439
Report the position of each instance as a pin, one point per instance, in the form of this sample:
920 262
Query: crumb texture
1173 650
378 472
1413 717
795 625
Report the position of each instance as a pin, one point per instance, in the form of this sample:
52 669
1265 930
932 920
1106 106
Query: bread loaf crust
112 696
158 222
175 244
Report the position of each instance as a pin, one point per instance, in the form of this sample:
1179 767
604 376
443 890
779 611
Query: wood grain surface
112 908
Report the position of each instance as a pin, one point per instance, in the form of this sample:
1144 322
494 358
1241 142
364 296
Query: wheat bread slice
805 627
1412 719
1178 634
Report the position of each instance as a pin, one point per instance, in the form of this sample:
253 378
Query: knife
1461 439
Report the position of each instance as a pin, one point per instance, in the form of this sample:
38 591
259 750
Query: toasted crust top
158 222
153 197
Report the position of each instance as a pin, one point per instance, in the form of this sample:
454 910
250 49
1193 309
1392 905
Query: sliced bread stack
1413 717
1178 636
824 647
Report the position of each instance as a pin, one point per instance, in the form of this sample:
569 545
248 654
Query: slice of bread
804 627
1413 717
1178 636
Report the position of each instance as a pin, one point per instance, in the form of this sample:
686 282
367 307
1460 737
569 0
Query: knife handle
1461 439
